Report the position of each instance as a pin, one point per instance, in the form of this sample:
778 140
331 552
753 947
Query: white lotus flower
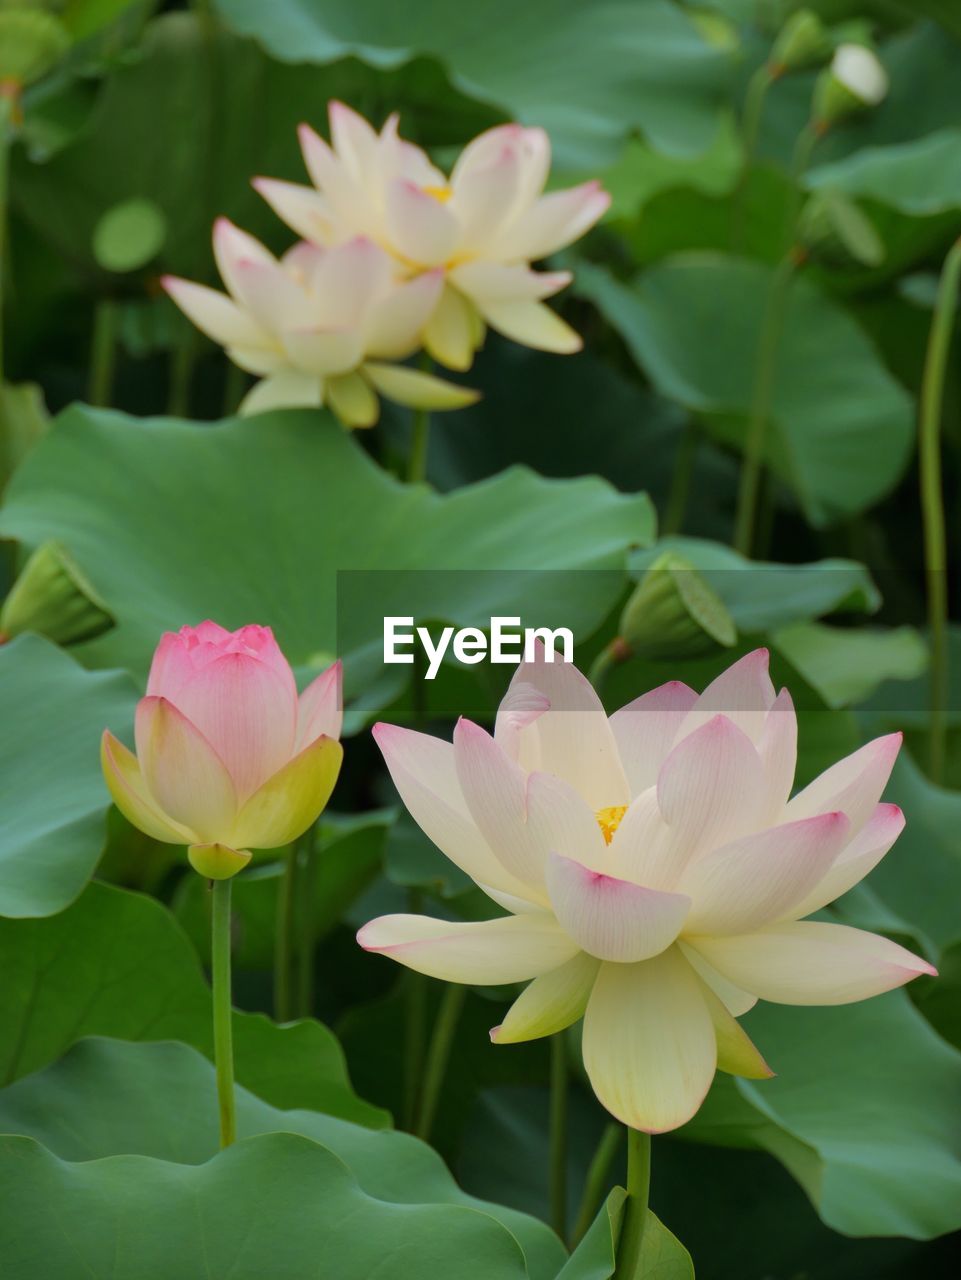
482 226
320 326
655 871
859 70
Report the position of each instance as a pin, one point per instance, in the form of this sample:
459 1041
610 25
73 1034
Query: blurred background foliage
149 121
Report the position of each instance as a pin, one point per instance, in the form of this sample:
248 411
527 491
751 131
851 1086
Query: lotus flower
655 872
228 757
319 325
481 227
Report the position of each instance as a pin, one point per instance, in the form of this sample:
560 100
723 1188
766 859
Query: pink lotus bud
227 754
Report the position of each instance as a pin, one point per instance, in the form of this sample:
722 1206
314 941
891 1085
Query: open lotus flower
320 325
482 226
655 872
228 757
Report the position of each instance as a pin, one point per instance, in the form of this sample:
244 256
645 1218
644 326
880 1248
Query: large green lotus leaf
118 964
762 595
863 1112
846 664
107 1099
588 73
841 426
55 801
663 1257
921 177
345 859
263 520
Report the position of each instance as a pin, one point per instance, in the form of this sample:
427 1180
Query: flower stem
223 1024
757 88
772 327
598 1178
103 352
448 1013
635 1210
558 1135
307 939
932 503
681 479
419 439
7 111
285 941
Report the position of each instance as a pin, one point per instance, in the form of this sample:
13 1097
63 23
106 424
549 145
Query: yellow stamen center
440 194
609 820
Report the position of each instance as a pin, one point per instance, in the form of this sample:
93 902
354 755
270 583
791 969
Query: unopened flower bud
854 81
53 598
834 230
674 613
32 42
802 42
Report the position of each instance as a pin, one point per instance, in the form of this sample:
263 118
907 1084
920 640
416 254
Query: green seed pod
674 613
802 42
833 230
32 42
53 598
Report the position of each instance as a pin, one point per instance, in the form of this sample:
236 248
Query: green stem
285 941
235 382
419 439
772 326
681 479
757 88
103 353
308 941
223 1016
635 1210
932 502
181 377
807 139
7 107
448 1014
598 1178
558 1135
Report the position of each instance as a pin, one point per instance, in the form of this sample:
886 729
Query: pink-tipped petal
421 229
320 708
247 710
216 315
710 788
572 740
613 919
759 878
860 856
233 247
185 777
777 748
355 142
484 199
274 298
483 953
810 963
302 208
129 792
349 203
520 707
644 731
395 325
424 772
553 222
649 1047
853 785
743 694
551 1003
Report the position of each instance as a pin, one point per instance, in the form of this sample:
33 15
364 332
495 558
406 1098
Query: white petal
302 208
396 323
287 390
644 731
273 297
573 739
860 855
613 919
484 953
507 282
853 785
736 1000
421 229
554 221
552 1002
807 962
743 693
531 324
777 749
645 848
649 1044
484 198
560 821
759 878
424 772
216 315
710 788
532 145
519 707
323 352
349 281
232 247
258 360
349 203
355 142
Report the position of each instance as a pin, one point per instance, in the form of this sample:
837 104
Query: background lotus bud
481 226
53 597
227 754
802 42
854 81
674 613
32 42
217 861
833 229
